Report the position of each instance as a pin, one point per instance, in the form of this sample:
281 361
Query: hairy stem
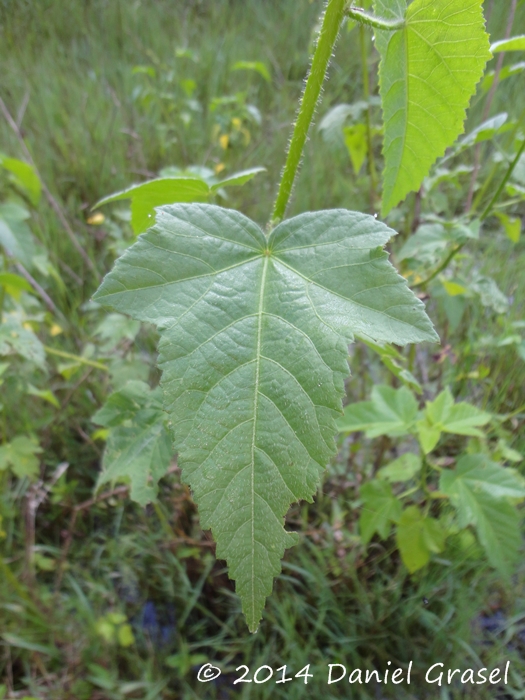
334 15
366 95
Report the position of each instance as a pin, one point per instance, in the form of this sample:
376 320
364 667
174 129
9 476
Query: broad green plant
255 324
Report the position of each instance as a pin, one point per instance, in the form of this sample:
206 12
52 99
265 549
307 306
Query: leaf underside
254 346
428 73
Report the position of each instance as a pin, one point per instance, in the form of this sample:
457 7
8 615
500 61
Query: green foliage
253 353
428 73
482 492
138 446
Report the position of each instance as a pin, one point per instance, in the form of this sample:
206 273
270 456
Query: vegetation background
103 599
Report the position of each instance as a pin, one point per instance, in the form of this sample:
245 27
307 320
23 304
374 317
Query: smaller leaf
14 284
390 412
257 66
506 72
484 132
380 509
478 488
44 394
356 144
453 289
238 179
479 473
393 361
513 43
25 177
459 419
22 341
147 196
428 435
512 226
15 234
418 537
138 447
21 456
403 468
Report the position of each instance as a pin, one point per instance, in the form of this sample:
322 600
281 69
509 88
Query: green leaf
477 488
403 468
444 416
506 72
512 226
418 537
138 448
15 235
254 334
394 361
389 412
356 144
428 73
380 509
513 43
145 197
257 66
14 284
479 473
17 339
21 456
25 177
238 179
45 394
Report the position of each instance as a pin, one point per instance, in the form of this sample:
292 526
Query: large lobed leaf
254 335
428 73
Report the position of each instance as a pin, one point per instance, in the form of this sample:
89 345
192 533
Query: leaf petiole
359 15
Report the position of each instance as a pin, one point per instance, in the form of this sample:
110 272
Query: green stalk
498 192
75 358
333 17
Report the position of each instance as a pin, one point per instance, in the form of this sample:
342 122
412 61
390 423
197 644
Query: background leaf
477 488
389 412
428 73
379 510
418 537
138 447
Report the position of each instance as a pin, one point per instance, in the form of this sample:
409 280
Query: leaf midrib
255 410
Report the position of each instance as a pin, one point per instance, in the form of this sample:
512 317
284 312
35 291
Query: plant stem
333 17
359 15
487 211
76 358
366 94
509 172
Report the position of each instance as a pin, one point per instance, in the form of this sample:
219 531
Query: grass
105 104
